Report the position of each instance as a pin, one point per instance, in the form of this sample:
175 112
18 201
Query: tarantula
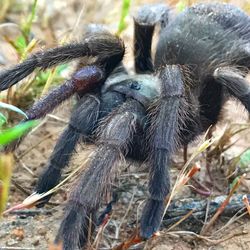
201 59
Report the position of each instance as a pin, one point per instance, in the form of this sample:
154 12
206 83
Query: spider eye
135 86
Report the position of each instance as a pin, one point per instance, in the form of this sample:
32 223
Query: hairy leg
163 136
82 123
102 49
145 20
235 83
114 138
82 80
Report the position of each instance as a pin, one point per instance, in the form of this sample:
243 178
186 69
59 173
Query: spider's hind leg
234 81
113 141
144 23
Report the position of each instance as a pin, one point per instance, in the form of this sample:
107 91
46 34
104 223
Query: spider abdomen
204 37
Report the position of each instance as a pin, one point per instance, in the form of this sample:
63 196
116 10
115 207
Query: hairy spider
201 59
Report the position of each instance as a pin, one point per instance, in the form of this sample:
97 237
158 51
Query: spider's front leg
113 142
101 49
83 80
163 132
99 54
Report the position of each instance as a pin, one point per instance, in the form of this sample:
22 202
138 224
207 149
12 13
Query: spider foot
150 14
76 227
151 218
46 182
105 215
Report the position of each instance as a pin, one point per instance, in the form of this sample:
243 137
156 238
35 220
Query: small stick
18 186
135 239
222 206
18 157
125 215
181 220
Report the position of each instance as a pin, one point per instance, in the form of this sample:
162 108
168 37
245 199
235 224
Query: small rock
11 242
18 233
36 241
42 231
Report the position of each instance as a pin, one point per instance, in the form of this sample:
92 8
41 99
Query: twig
18 186
180 221
58 118
26 168
231 221
178 208
222 207
18 157
208 239
31 212
125 215
38 126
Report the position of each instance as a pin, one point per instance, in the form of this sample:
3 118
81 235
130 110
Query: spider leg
101 49
163 133
114 138
82 123
84 79
81 82
235 83
144 23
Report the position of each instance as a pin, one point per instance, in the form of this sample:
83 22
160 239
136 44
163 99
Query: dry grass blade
184 176
205 238
181 181
181 220
49 81
99 234
232 220
34 198
223 205
223 143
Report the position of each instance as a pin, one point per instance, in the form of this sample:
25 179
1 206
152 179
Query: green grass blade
3 119
245 159
16 132
12 108
26 27
125 10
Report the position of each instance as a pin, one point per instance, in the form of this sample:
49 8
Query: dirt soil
36 228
